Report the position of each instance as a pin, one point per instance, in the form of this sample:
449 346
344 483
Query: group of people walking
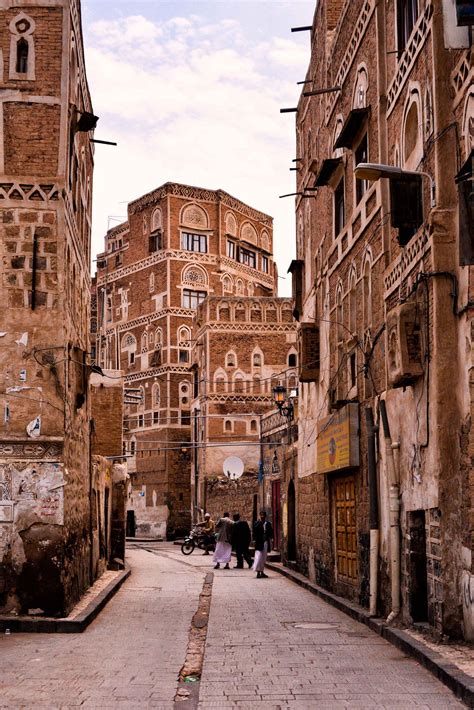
235 534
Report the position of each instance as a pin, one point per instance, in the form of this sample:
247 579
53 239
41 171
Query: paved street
270 644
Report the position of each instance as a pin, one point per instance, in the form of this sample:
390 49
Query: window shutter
309 353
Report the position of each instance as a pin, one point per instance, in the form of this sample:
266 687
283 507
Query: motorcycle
197 538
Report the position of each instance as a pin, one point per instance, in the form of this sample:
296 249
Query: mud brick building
46 163
383 290
179 245
243 348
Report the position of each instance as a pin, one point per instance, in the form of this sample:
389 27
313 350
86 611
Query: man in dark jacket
241 541
263 536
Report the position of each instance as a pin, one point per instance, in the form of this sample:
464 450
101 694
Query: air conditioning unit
309 352
404 344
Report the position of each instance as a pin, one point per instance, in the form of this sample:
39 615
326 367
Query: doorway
276 497
131 525
291 552
345 522
417 567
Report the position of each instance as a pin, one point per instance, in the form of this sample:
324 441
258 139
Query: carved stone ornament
195 216
195 276
26 450
248 233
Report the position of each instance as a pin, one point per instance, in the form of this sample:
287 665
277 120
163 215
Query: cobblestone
131 655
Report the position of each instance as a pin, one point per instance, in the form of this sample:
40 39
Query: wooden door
346 538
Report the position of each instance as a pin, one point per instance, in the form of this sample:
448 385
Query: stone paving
270 644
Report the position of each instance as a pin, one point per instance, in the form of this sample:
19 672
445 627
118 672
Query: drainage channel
187 693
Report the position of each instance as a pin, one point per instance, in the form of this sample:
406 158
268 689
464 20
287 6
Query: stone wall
238 496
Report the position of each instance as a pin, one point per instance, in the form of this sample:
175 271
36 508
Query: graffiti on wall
31 493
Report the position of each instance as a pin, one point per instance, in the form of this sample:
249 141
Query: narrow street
270 644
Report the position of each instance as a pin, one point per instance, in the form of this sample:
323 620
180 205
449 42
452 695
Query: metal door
346 538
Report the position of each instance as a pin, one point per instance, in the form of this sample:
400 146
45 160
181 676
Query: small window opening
22 56
292 360
339 208
361 156
353 370
228 425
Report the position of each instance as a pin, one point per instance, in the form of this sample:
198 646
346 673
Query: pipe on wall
373 510
394 512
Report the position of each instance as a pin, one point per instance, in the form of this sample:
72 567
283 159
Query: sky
191 92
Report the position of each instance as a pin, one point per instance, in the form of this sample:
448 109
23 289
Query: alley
270 644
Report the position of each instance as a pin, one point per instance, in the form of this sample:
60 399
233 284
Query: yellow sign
337 445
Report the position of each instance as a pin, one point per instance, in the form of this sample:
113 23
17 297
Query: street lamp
284 404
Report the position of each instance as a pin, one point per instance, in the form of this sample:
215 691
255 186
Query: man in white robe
223 550
263 536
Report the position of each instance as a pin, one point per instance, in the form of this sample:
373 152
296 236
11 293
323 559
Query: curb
77 625
455 679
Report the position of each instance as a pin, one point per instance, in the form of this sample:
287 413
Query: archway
291 522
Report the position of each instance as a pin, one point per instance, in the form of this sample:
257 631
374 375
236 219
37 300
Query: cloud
196 102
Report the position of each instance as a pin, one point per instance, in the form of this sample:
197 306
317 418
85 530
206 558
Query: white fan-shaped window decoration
360 90
265 241
230 224
227 283
468 123
129 342
156 219
194 216
248 233
194 275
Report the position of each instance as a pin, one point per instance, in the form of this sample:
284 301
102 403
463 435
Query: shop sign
337 444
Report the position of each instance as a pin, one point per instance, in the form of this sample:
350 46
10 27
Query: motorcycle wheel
187 547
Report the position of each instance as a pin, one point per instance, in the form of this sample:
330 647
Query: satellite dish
233 467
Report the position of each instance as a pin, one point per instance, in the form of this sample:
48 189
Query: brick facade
179 245
244 346
405 100
46 163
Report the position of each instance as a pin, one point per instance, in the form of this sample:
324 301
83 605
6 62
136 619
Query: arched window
412 134
129 342
256 385
292 360
411 130
220 383
231 360
156 219
184 336
22 51
253 425
257 360
227 284
144 344
239 287
352 305
227 425
367 295
22 48
156 397
158 338
238 383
